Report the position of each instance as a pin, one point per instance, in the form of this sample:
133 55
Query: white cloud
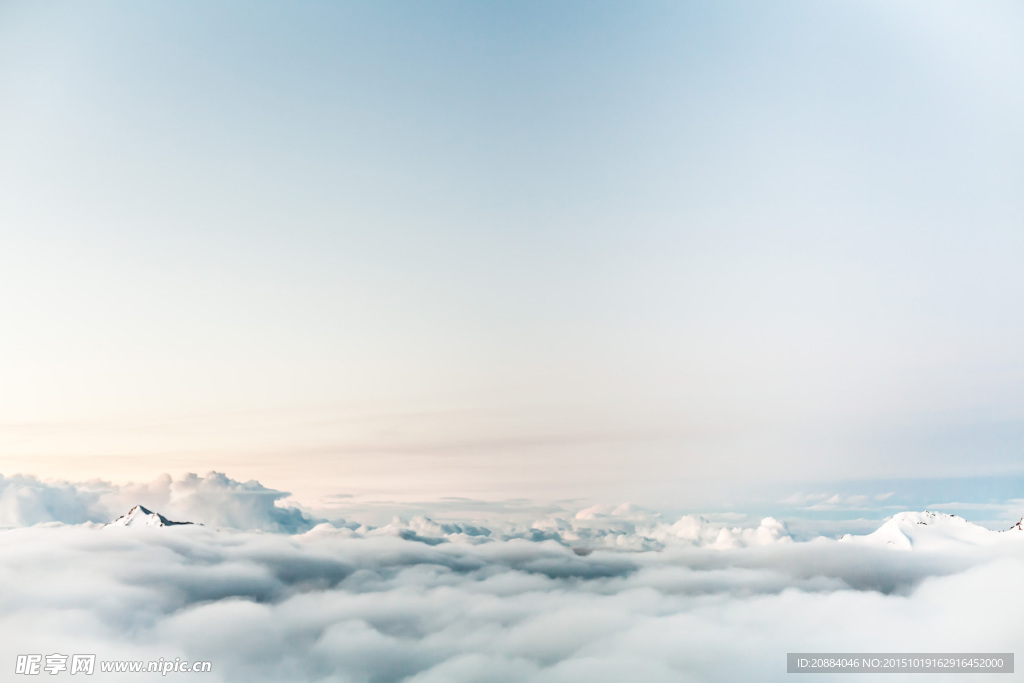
331 605
218 500
836 501
26 500
215 500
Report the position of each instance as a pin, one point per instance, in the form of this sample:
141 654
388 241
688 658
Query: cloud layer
608 593
336 605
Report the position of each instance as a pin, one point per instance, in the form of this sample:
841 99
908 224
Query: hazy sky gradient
608 250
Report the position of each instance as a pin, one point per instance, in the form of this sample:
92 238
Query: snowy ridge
929 530
139 516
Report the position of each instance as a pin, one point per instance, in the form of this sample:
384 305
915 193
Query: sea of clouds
606 594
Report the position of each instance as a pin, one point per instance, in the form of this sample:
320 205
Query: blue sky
634 252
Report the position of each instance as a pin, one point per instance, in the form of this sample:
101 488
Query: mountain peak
927 530
141 516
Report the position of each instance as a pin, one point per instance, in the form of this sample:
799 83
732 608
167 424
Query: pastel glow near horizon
647 252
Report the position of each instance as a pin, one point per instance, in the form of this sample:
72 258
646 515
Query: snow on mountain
140 516
929 531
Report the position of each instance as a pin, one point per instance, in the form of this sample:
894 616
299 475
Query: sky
667 253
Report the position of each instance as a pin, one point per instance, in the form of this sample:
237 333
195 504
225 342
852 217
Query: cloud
336 605
836 501
26 500
215 500
621 527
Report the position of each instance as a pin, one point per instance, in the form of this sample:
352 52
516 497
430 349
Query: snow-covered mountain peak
140 516
927 530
